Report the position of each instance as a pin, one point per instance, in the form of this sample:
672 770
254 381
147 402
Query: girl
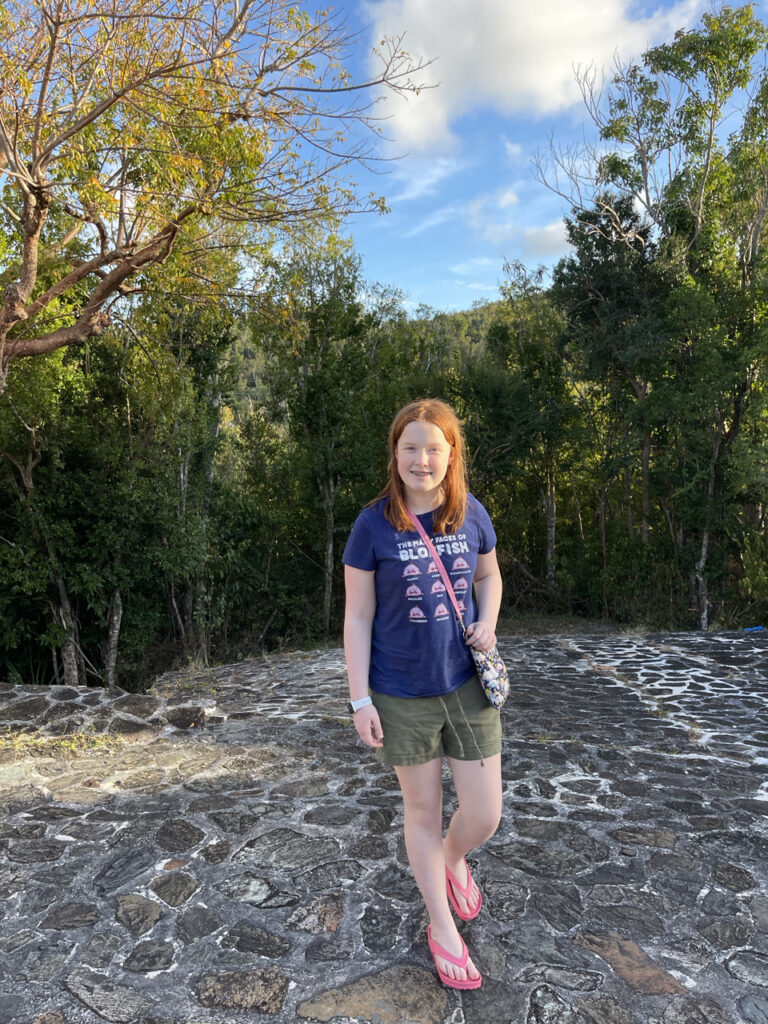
413 689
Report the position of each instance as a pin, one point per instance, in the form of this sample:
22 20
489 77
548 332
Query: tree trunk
646 486
702 586
327 590
113 636
184 482
69 663
201 601
328 490
676 535
69 648
628 500
189 617
551 507
577 503
202 631
72 662
604 549
641 392
176 615
80 662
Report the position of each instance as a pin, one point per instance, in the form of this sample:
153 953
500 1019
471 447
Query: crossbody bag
490 667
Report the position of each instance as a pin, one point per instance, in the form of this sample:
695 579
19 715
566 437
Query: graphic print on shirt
429 657
418 562
413 550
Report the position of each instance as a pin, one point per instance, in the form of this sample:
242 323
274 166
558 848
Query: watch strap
363 702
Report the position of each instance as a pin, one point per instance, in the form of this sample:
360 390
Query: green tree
616 333
128 133
89 490
690 315
540 385
336 371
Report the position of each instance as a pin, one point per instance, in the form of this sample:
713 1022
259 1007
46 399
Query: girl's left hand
481 636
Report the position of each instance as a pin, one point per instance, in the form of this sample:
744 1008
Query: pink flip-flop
453 886
460 961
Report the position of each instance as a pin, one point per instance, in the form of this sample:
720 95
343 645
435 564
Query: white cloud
513 150
473 265
545 242
508 198
424 175
510 55
483 214
432 220
489 215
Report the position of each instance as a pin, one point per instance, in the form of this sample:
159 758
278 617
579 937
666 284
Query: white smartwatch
355 705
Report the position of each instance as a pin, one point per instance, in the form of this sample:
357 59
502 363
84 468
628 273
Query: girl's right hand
368 726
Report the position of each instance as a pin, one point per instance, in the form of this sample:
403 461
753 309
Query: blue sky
463 194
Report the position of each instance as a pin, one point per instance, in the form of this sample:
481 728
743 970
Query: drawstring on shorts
466 722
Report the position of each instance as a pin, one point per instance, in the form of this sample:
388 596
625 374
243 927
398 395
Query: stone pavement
222 849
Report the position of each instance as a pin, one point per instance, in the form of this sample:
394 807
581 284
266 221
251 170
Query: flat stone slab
148 957
286 848
175 888
137 913
71 915
222 848
394 996
630 962
178 835
112 1002
262 991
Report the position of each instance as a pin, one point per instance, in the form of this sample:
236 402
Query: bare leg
477 817
422 789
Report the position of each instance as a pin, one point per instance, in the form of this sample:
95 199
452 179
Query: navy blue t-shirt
417 649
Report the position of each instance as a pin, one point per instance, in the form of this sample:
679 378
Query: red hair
450 514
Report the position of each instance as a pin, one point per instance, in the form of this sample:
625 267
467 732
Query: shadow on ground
222 849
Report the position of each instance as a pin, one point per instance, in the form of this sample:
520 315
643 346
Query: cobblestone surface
224 850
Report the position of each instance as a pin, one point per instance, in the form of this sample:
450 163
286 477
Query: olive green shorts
461 724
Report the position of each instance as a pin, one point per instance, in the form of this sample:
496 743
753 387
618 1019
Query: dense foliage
182 487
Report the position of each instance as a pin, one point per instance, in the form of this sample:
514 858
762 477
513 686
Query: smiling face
423 457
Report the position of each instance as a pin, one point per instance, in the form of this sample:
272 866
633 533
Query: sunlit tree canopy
128 130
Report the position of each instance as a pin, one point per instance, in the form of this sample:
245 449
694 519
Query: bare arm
487 582
358 622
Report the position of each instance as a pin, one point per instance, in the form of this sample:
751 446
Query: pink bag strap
440 567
